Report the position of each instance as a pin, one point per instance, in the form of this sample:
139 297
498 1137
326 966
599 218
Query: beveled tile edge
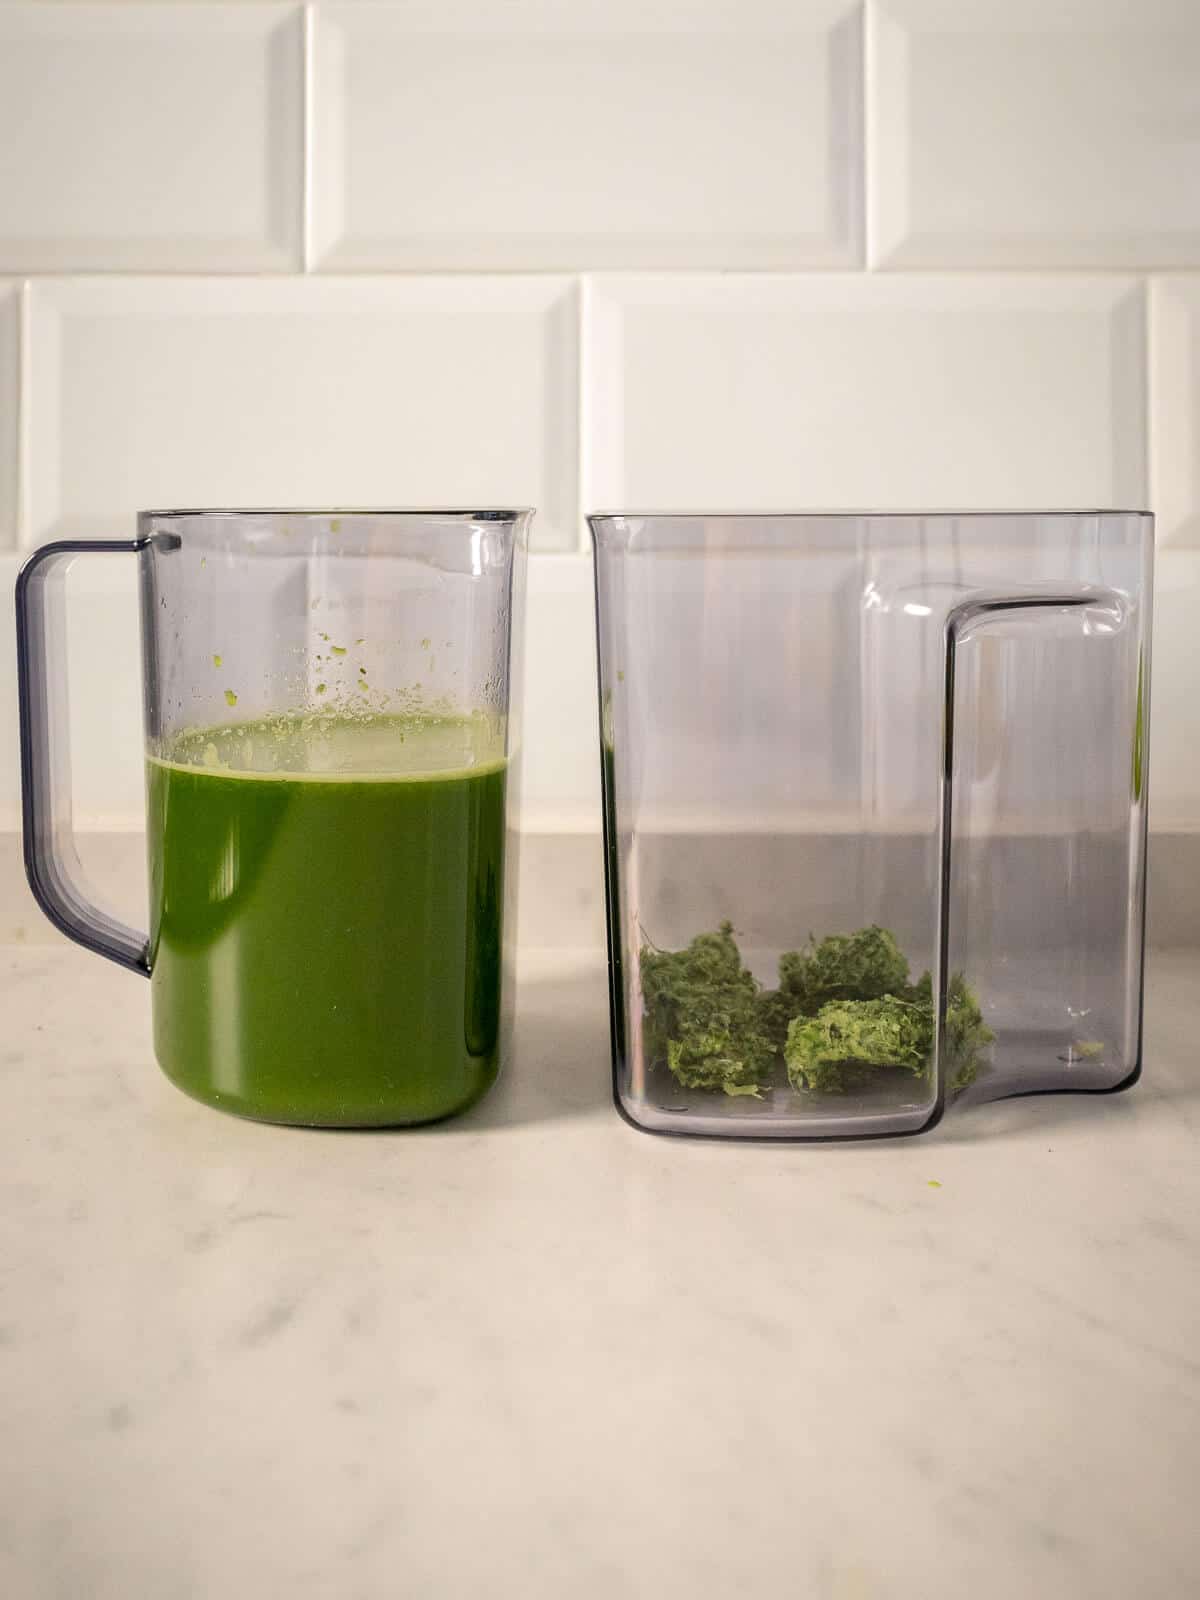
884 160
608 297
39 393
1174 369
12 416
280 23
848 67
308 138
1131 390
559 519
842 247
587 422
602 463
556 528
893 245
286 117
326 66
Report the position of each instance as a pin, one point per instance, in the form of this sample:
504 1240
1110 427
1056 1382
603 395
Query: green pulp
326 901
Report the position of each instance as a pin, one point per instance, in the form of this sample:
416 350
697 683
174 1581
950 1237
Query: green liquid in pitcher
326 902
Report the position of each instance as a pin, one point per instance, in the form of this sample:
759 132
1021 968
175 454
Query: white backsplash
596 133
687 253
1035 133
151 138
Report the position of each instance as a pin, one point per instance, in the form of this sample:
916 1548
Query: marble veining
534 1353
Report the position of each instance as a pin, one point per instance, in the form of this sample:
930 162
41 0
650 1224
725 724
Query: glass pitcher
875 813
331 751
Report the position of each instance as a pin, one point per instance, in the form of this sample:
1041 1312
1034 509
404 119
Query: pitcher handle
51 860
958 619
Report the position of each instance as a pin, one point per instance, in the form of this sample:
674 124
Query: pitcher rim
489 513
862 516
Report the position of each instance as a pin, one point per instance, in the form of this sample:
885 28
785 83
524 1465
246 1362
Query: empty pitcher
875 813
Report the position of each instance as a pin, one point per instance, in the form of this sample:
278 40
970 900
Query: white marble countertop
534 1353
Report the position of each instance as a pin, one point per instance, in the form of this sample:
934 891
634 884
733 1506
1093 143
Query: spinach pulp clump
848 1040
702 1017
844 1012
844 966
967 1034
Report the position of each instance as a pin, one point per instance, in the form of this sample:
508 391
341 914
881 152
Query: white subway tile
693 133
855 391
10 344
1035 133
139 136
1175 408
1175 711
361 391
561 774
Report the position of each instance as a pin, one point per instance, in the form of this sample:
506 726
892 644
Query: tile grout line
868 135
583 415
24 420
686 274
308 136
1149 317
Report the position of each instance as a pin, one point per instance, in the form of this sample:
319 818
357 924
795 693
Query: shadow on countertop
561 1067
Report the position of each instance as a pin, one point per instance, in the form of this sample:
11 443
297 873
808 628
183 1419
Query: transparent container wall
306 620
338 951
255 615
773 713
1046 820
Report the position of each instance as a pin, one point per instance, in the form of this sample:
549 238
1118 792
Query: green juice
326 906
